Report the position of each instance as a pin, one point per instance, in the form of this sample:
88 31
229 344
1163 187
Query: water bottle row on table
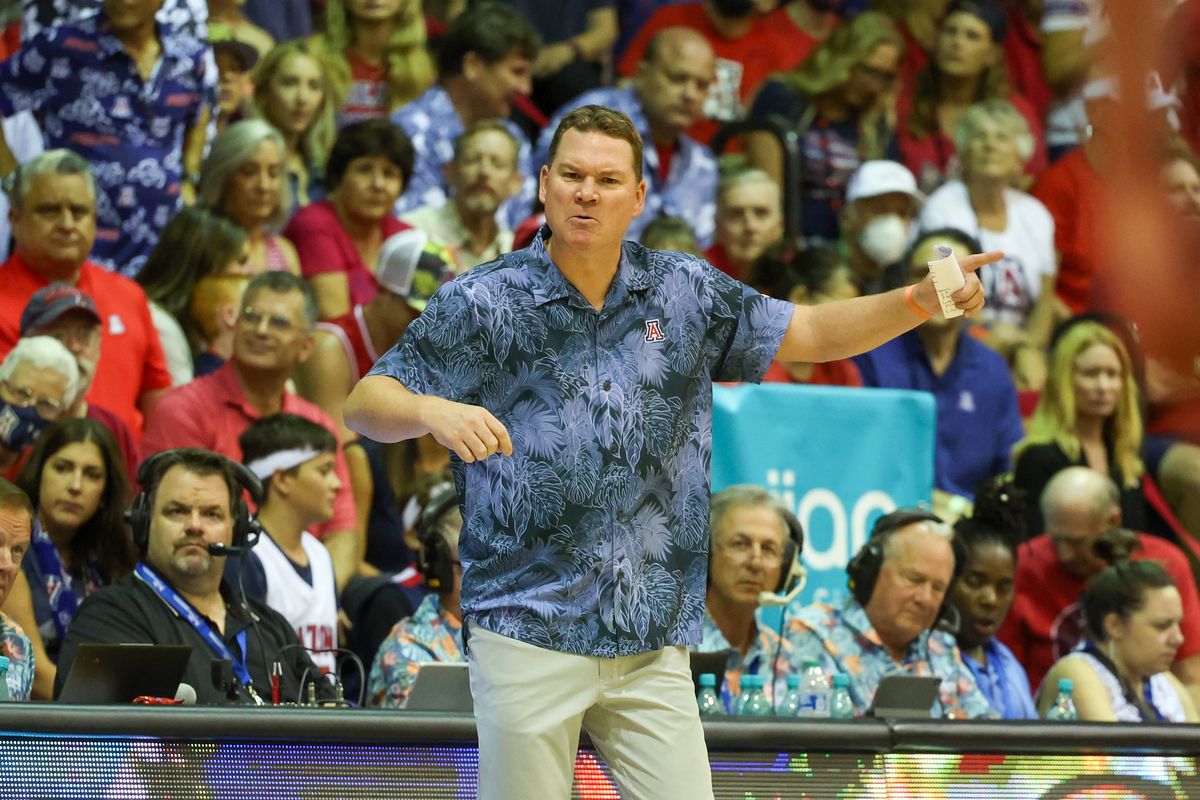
810 694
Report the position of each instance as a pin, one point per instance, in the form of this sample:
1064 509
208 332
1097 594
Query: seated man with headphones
898 584
434 631
189 517
288 568
754 560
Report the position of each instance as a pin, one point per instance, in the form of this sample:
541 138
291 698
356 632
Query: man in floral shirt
886 627
434 631
132 96
16 526
572 382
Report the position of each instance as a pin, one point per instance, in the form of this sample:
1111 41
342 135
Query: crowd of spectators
222 214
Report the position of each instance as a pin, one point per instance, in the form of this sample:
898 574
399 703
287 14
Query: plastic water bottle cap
811 664
750 682
708 679
4 663
841 681
1066 685
793 681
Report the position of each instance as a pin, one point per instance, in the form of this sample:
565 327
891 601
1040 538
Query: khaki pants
639 711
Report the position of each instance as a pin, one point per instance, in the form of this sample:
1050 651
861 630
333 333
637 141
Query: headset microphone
216 549
796 578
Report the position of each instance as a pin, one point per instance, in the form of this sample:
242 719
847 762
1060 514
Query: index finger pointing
504 443
972 263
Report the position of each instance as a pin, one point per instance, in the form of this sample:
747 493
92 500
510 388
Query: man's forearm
343 549
846 328
383 409
193 144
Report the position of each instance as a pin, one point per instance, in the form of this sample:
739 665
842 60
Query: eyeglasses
22 397
743 549
276 323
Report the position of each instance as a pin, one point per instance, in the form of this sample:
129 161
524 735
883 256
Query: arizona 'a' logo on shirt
654 331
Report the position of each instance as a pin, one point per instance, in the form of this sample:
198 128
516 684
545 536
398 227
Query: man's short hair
744 177
284 282
44 352
491 31
485 126
369 138
12 498
53 162
599 119
278 432
197 461
739 496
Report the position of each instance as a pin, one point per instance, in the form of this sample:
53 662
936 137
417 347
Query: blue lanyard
64 601
185 610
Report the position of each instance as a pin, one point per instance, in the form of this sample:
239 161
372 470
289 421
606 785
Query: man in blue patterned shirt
572 382
485 61
666 98
130 95
898 584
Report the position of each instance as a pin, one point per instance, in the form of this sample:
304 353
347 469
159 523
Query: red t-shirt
366 97
1073 192
1046 621
131 356
716 256
842 372
743 63
212 411
324 246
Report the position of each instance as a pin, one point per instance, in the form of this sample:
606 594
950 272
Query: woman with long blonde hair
374 53
839 101
1088 415
292 92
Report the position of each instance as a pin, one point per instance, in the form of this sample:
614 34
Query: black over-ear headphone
793 574
246 529
863 569
435 559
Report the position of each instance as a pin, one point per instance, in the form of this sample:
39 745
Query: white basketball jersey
311 610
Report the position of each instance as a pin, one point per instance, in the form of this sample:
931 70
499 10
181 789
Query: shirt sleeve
442 352
25 77
745 329
1065 15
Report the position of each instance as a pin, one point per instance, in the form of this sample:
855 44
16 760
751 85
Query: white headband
267 466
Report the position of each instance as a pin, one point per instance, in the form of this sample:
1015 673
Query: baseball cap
222 40
412 266
51 302
873 178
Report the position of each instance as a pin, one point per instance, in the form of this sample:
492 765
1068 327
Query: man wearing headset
434 631
898 582
189 517
755 550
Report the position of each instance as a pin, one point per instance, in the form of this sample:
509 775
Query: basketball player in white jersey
289 568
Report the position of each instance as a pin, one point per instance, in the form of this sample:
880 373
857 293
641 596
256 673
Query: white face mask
884 239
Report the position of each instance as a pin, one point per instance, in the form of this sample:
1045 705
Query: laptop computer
441 687
117 673
904 697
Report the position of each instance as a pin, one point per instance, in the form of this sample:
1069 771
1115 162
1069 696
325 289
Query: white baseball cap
412 266
874 178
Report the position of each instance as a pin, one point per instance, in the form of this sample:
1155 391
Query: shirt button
607 385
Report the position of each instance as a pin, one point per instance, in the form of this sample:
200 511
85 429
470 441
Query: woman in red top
374 53
339 239
965 67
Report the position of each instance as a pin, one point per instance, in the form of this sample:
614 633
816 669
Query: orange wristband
911 302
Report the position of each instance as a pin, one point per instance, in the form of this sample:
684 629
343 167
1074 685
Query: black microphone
218 549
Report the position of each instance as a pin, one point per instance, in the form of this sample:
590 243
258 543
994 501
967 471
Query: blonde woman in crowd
292 92
375 56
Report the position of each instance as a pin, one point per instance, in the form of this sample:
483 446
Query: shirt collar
550 284
231 392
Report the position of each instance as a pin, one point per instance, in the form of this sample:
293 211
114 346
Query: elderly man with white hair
38 382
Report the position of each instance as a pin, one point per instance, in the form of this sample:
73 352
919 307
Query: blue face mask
19 426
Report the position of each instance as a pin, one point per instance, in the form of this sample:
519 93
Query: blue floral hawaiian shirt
16 647
88 96
427 636
843 640
690 190
593 537
763 651
433 124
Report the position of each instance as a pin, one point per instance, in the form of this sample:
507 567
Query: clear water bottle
814 691
707 699
738 699
840 704
755 703
1064 706
791 701
4 665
